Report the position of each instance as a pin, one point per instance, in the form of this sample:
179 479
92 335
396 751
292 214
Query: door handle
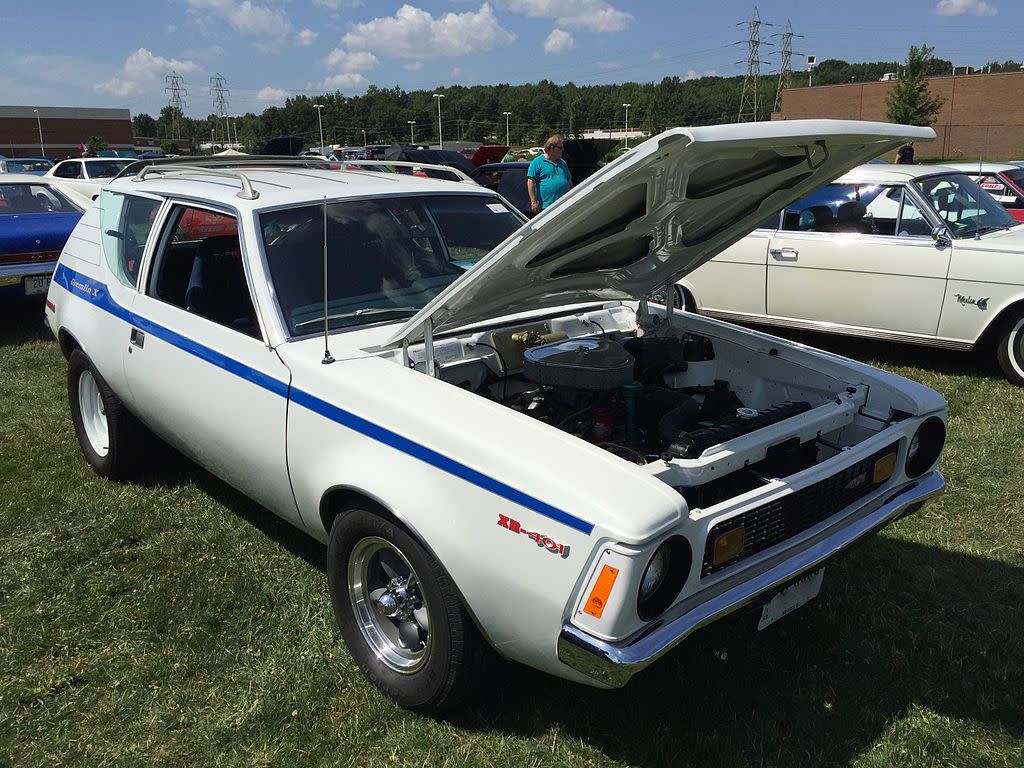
784 254
137 338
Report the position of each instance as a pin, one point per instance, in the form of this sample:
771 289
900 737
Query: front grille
790 515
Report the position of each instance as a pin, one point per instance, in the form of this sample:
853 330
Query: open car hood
655 214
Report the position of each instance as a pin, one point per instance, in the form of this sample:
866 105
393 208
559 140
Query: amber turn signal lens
728 545
599 594
884 468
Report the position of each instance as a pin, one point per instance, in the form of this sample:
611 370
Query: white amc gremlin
504 444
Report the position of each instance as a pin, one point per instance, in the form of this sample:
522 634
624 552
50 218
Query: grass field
175 623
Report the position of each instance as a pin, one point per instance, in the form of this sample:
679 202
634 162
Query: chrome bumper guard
613 664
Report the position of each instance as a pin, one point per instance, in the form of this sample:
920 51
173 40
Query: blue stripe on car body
96 293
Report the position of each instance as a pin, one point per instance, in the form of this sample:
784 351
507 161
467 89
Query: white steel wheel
388 605
94 414
1010 350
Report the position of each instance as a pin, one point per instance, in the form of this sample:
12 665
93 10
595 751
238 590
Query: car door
860 255
733 283
200 373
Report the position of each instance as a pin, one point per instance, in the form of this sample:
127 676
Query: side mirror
940 236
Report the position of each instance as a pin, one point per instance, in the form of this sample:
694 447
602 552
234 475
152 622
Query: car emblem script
981 303
540 539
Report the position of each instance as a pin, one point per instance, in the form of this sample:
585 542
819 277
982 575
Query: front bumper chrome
611 664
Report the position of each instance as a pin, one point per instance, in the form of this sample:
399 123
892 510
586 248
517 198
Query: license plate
36 284
791 598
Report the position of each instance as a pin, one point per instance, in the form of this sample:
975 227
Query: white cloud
269 26
141 71
170 28
693 74
595 15
356 61
559 41
333 5
413 33
346 81
964 8
271 95
413 66
456 71
657 56
306 36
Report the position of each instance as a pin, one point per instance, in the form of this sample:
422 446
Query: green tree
909 102
96 144
144 125
169 148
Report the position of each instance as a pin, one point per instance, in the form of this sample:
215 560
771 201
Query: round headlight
655 573
926 446
663 577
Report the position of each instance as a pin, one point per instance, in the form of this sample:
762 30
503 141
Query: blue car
36 166
35 222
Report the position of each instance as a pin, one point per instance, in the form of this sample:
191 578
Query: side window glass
817 211
199 269
912 221
125 225
69 170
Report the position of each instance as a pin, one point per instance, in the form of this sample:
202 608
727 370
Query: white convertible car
505 445
909 253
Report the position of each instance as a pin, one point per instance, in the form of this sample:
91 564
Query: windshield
965 207
105 169
28 166
387 257
33 198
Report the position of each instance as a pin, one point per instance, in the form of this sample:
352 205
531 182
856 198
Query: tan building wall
980 115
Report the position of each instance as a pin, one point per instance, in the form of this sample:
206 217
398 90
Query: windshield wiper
400 311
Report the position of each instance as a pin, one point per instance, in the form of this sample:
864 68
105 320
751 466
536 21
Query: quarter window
198 268
126 222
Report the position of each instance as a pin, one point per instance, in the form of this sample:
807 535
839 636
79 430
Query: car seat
816 218
850 217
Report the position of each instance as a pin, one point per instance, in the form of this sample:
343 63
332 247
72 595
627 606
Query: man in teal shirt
548 177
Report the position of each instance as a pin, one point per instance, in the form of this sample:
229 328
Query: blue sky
116 54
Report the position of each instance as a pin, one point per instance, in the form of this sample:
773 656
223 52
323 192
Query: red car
1005 182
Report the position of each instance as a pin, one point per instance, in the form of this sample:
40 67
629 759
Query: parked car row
506 446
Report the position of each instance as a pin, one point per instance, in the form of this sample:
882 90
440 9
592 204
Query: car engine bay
708 416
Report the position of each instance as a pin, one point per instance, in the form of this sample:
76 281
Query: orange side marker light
599 594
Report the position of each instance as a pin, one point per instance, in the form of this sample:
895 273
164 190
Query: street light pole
320 119
39 125
364 137
235 123
412 134
227 130
213 133
507 140
440 140
627 106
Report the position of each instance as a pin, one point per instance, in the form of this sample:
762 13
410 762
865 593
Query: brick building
63 130
982 115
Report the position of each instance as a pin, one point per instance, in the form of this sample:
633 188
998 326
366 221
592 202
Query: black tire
126 437
1010 349
457 659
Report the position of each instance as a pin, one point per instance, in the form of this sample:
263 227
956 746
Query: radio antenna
327 352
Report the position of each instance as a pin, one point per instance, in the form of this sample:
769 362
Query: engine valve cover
593 364
691 444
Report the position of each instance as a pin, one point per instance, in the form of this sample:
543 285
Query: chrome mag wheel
388 604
